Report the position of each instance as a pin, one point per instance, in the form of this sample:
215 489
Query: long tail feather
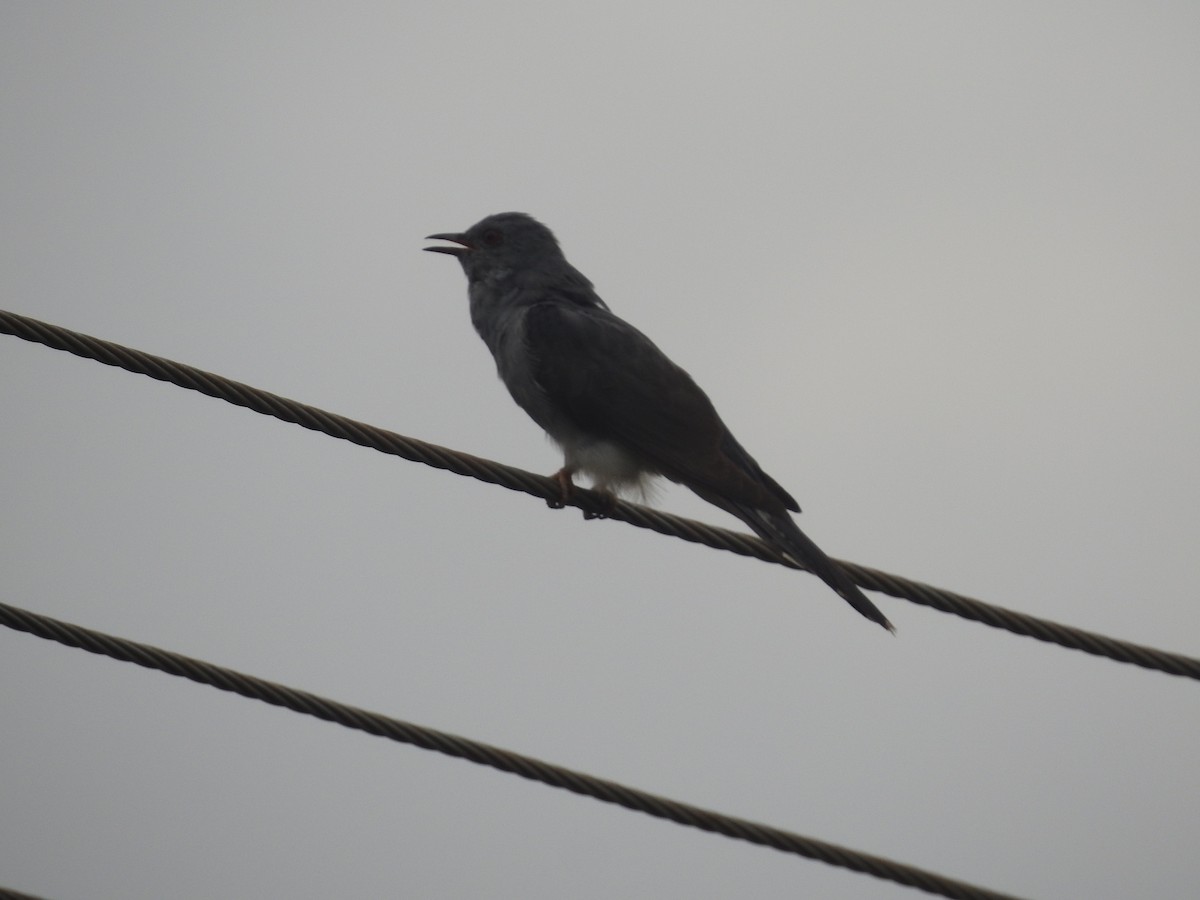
781 532
785 535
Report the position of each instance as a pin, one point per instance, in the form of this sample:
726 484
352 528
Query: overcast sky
937 264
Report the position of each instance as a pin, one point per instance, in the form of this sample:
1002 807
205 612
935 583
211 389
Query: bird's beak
453 251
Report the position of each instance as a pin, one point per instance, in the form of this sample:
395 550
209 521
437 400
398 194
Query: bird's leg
566 487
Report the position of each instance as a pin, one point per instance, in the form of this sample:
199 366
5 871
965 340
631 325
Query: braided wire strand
10 894
484 754
592 504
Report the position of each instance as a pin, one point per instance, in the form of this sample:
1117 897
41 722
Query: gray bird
617 406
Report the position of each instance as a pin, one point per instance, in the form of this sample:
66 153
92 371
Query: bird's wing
613 382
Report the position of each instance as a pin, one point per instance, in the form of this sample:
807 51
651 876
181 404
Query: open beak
453 251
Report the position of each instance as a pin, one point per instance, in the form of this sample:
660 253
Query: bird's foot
566 490
609 506
566 487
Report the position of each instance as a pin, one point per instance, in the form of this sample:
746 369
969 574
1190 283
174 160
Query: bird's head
494 248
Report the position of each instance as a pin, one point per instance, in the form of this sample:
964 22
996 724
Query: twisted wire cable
10 894
592 504
484 754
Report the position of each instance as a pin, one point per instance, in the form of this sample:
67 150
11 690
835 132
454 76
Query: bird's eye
492 238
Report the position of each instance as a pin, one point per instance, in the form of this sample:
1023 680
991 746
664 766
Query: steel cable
591 503
10 894
484 754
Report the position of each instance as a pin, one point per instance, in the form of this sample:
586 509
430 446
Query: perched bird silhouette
617 406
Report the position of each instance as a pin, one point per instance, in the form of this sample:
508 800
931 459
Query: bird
621 411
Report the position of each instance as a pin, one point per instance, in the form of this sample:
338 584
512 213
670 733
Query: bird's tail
782 533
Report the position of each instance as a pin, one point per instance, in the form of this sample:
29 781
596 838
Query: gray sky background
937 264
